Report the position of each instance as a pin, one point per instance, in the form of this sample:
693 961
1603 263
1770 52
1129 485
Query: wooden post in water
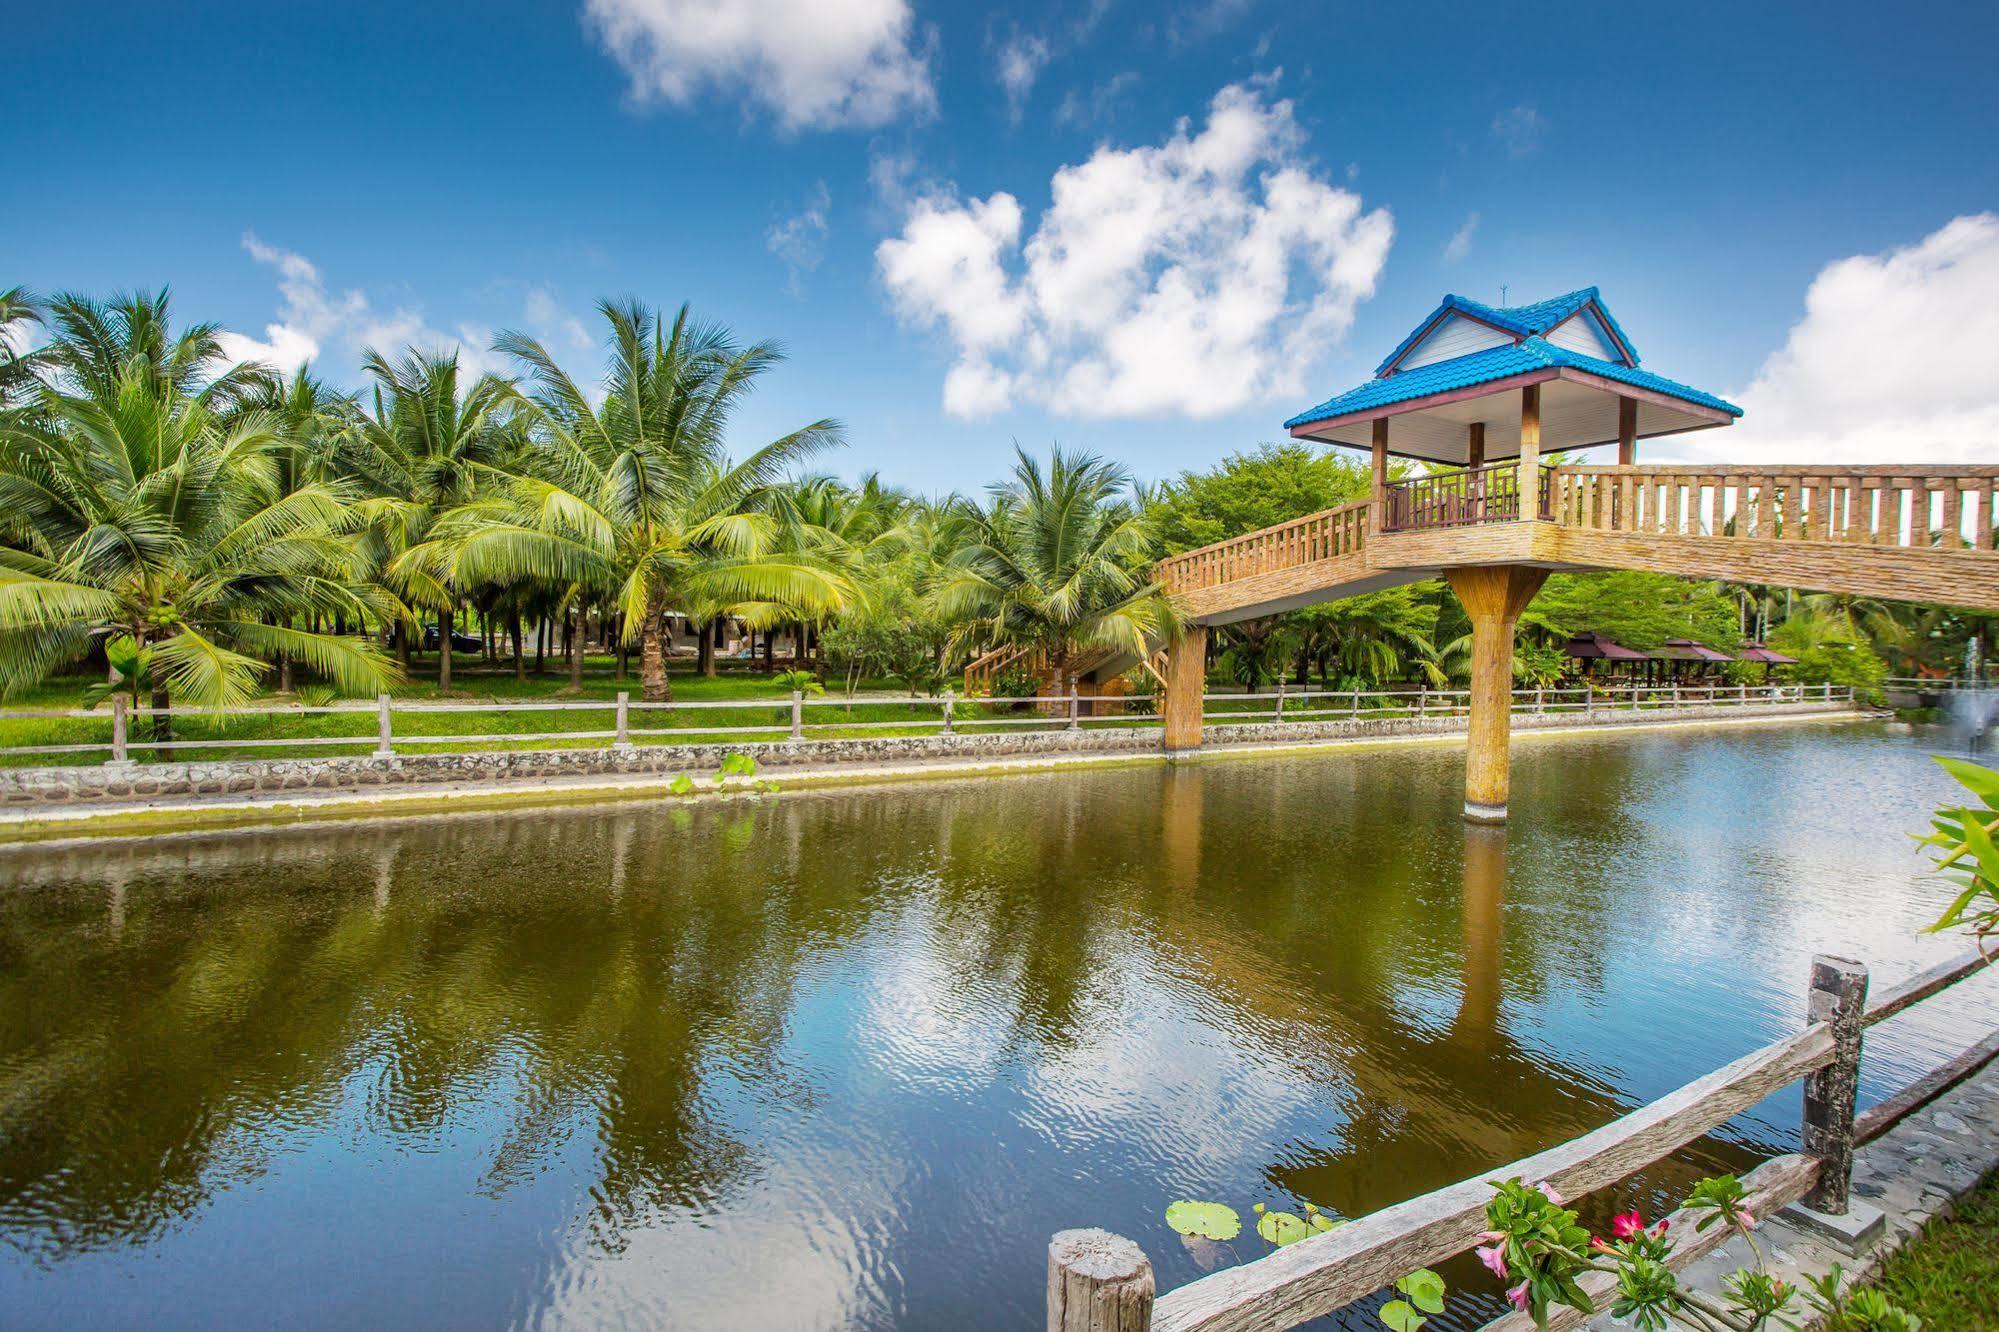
1838 996
1493 597
1098 1282
1186 681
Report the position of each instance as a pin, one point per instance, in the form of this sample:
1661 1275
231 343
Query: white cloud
1019 61
811 64
1192 277
1520 129
1893 361
800 240
314 323
1459 244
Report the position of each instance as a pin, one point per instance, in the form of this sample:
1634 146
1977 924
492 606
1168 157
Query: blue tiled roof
1483 367
1522 321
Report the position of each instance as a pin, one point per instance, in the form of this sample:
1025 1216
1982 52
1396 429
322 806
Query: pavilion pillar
1377 494
1530 451
1186 681
1475 445
1493 597
1627 431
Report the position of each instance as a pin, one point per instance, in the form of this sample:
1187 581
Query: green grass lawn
874 710
1950 1277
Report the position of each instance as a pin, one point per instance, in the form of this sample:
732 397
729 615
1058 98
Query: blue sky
871 183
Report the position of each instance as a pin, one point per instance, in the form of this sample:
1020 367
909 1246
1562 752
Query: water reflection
847 1058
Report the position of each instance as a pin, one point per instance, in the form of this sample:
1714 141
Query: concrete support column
1627 431
1493 599
1186 680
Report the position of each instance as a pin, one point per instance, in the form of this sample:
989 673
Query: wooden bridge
1901 533
1479 393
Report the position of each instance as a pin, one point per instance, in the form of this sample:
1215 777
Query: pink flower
1747 1218
1547 1191
1659 1231
1494 1259
1492 1236
1597 1245
1627 1224
1519 1296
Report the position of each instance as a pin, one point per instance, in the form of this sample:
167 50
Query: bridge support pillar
1493 598
1186 681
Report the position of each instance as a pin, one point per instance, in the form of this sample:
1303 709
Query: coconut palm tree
420 453
637 495
152 516
1058 561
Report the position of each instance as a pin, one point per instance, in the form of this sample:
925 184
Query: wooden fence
1316 536
799 716
1462 498
1101 1282
1934 505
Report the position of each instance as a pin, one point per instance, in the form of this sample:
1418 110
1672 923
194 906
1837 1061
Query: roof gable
1516 322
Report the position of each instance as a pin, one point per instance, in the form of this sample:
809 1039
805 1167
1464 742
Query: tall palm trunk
653 684
576 636
704 638
514 635
443 650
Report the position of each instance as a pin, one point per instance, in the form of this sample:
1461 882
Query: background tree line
198 531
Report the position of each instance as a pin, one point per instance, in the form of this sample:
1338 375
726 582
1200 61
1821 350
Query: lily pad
1425 1290
1400 1317
1282 1228
1208 1220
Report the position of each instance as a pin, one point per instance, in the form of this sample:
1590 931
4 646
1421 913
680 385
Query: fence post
1356 705
798 714
1742 690
1422 702
1098 1282
1540 700
1279 715
384 744
624 739
1676 698
120 728
950 697
1828 691
1838 996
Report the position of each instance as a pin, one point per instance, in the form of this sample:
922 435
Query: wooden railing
1103 1282
1316 536
1944 506
1460 499
982 671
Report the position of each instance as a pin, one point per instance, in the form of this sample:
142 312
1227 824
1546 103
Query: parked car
459 642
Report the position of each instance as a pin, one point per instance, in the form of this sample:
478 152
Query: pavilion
1487 390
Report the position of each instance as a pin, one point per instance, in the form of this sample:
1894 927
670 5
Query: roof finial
1502 293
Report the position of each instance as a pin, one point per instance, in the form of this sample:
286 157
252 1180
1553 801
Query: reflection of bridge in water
1485 392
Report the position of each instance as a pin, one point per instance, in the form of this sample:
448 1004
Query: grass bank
1950 1276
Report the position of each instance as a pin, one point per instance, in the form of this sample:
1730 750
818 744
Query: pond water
846 1059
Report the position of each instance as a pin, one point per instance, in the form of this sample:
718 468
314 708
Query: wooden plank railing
1460 498
1317 1276
982 671
1317 536
1930 506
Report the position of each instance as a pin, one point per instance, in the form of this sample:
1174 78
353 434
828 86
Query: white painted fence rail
799 716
